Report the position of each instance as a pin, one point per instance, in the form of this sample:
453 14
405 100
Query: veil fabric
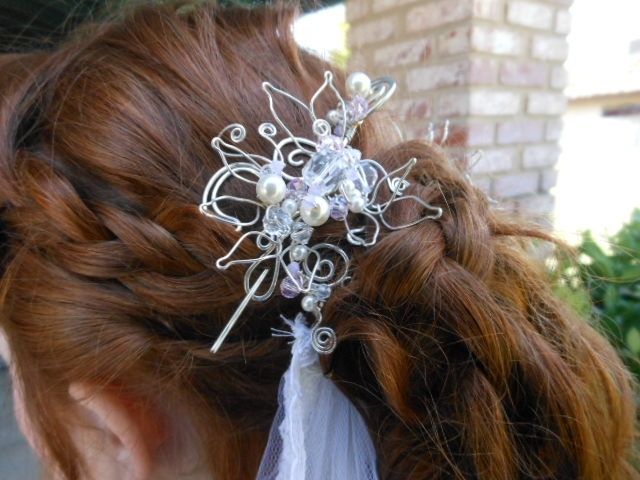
317 433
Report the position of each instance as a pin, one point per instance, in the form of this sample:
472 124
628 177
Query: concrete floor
17 462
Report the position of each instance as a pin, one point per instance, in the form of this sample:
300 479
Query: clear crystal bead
366 178
301 232
321 291
352 156
325 169
277 222
370 173
331 142
275 167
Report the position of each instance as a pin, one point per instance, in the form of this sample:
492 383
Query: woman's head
452 345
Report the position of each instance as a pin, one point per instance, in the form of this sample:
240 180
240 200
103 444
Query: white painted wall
598 172
599 168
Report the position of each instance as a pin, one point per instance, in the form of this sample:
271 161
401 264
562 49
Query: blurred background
541 98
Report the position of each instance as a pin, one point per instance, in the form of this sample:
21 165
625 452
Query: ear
129 433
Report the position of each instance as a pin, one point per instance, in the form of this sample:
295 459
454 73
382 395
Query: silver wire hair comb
336 183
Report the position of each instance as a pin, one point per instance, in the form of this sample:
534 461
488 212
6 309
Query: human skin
116 439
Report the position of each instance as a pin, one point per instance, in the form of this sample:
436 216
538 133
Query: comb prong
236 315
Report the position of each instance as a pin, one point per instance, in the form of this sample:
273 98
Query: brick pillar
493 68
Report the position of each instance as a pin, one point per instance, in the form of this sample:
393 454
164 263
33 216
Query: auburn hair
453 346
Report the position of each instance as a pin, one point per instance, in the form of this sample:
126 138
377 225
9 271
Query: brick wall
493 68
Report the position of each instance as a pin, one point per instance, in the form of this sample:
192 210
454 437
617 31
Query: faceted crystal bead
370 174
289 287
352 156
325 169
275 167
330 142
301 232
296 188
294 269
315 191
339 207
277 222
367 178
321 291
357 109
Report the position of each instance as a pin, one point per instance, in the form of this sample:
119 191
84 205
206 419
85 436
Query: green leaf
633 340
600 263
610 297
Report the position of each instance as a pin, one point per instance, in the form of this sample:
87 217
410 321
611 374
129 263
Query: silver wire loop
334 183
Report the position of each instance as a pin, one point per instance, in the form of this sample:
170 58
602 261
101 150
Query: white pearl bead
347 186
357 204
334 117
358 83
290 206
271 188
298 253
315 212
308 303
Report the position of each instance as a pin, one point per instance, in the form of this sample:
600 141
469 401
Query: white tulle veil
317 433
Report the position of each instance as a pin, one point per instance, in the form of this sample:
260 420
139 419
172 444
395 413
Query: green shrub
604 284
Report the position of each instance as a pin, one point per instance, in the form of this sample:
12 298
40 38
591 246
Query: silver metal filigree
303 184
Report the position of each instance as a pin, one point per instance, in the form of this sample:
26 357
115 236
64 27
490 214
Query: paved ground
16 459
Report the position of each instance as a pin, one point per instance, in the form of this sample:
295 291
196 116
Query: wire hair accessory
333 183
